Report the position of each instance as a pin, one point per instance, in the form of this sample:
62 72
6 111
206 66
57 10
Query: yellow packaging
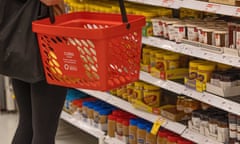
223 67
153 57
121 91
146 55
151 95
171 61
159 61
193 68
205 72
138 90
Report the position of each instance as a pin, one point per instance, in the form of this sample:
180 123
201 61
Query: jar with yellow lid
193 68
205 72
151 95
171 61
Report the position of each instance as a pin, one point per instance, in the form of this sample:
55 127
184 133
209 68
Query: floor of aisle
66 134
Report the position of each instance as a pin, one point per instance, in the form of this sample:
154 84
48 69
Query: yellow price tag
157 124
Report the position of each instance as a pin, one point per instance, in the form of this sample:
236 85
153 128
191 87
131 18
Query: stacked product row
119 124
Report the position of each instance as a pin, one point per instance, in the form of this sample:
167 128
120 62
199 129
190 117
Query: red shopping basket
90 50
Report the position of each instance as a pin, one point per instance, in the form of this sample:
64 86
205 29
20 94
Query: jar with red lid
111 125
125 124
119 129
162 137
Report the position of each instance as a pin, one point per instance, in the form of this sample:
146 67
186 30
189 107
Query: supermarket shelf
195 5
205 97
124 105
212 7
198 138
175 4
83 126
191 51
110 140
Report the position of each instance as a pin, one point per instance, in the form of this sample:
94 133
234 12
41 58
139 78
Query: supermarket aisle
66 134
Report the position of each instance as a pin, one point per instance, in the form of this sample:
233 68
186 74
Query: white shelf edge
195 5
205 97
198 138
83 126
124 105
175 4
191 51
212 7
110 140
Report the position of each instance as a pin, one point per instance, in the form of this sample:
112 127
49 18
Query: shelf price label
157 124
212 8
237 12
167 3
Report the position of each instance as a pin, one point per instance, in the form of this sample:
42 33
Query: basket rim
59 28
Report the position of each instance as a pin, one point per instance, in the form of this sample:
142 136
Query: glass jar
180 103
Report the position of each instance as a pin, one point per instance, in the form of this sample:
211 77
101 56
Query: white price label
212 7
167 3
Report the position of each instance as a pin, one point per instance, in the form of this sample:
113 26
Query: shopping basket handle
123 13
51 15
122 8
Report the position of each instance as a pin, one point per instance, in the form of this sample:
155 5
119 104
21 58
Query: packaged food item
103 118
162 137
171 61
159 61
192 32
141 133
193 68
150 138
180 103
111 125
126 124
151 95
180 32
119 128
205 72
138 90
157 26
190 105
133 131
220 38
207 35
168 29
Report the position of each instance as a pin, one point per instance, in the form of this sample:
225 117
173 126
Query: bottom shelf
102 138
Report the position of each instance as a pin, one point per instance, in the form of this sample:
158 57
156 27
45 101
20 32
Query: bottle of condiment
141 133
150 138
133 131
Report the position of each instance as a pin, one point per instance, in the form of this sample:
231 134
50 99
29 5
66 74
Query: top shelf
195 5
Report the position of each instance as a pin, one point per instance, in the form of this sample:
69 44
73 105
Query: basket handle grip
124 14
51 15
122 9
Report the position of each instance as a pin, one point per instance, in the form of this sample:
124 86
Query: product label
157 29
196 122
233 126
141 141
192 34
180 34
232 134
171 32
222 134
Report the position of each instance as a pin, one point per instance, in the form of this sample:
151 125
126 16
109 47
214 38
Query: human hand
51 2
